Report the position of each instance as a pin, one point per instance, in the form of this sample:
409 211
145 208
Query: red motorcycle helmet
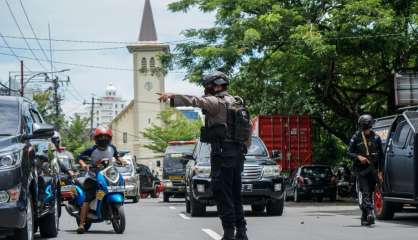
103 136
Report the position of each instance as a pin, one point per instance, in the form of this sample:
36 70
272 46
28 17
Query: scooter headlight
112 174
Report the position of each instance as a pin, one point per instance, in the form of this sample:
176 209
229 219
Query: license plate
67 188
178 178
247 187
318 191
100 195
116 189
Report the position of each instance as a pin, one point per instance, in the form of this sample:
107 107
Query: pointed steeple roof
147 32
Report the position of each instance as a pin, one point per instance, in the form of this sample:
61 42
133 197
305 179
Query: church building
148 77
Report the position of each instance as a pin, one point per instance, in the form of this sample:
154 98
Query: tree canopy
332 59
174 127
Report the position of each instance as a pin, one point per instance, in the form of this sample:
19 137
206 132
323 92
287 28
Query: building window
125 137
116 106
121 106
149 120
152 63
116 112
144 64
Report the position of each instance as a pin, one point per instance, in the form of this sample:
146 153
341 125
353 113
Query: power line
67 49
21 33
12 51
95 41
33 30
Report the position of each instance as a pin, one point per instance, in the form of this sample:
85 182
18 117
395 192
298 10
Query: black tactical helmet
365 122
216 78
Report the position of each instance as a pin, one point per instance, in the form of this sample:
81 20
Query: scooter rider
227 155
365 149
103 149
64 167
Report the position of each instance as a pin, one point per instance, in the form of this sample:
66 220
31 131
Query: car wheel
166 197
197 209
384 210
275 207
27 232
333 197
135 199
48 225
296 196
258 208
155 193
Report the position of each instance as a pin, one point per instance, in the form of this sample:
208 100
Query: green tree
46 109
174 127
75 135
332 59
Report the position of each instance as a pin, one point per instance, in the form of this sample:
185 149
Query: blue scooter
108 205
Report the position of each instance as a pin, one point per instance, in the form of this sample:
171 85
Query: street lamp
23 84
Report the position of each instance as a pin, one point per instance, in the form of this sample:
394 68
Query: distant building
107 107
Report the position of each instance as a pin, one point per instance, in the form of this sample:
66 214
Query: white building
106 108
148 78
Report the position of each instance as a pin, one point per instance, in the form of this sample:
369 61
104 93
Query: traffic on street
209 119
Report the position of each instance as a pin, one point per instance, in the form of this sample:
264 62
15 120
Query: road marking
172 208
212 234
184 216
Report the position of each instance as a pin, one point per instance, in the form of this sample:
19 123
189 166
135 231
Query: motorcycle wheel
49 225
119 221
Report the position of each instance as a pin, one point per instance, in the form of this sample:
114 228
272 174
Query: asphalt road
153 219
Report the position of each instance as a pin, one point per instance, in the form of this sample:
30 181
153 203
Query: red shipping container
290 134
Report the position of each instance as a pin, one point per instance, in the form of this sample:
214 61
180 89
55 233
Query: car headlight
271 171
202 171
130 181
9 159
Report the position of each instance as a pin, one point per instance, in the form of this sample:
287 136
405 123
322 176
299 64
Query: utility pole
56 99
93 103
22 91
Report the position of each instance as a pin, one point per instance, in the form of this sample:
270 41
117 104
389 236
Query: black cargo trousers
367 181
227 164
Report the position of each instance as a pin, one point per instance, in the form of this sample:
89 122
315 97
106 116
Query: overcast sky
95 20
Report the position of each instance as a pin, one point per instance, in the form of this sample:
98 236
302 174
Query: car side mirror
158 163
188 156
276 154
42 131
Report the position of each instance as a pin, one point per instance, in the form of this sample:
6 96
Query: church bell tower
148 80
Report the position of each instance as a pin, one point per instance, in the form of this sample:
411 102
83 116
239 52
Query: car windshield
321 172
257 149
179 149
9 118
125 169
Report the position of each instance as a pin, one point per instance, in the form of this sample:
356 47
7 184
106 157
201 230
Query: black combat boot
241 233
364 221
229 234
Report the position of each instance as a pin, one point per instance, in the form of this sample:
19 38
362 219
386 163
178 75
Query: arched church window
144 64
152 63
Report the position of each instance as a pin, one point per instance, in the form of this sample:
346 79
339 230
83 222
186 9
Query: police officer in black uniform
366 151
227 156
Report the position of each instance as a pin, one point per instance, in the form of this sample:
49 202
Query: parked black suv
28 172
400 139
312 181
262 183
